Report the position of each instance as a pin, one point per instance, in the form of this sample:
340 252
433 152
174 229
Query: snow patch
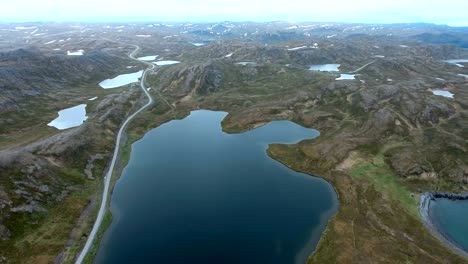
166 62
443 93
75 52
198 44
346 77
457 62
244 63
24 28
297 48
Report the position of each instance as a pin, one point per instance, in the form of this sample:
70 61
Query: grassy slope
38 238
377 221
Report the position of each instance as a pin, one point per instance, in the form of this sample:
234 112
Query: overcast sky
451 12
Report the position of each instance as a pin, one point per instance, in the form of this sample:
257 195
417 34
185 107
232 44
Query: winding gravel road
105 193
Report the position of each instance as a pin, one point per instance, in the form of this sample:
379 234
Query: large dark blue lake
451 218
194 194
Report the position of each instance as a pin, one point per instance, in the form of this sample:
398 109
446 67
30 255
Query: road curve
105 193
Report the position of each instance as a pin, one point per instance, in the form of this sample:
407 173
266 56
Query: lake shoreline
331 216
424 211
305 254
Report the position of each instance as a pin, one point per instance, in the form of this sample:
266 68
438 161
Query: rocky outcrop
28 208
454 38
447 195
4 233
200 79
90 165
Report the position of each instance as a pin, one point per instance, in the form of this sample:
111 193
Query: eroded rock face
201 79
408 164
4 233
430 162
434 110
90 165
28 208
211 80
8 104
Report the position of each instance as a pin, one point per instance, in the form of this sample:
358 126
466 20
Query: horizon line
220 21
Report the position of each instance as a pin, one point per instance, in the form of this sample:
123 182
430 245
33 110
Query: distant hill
457 38
28 72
